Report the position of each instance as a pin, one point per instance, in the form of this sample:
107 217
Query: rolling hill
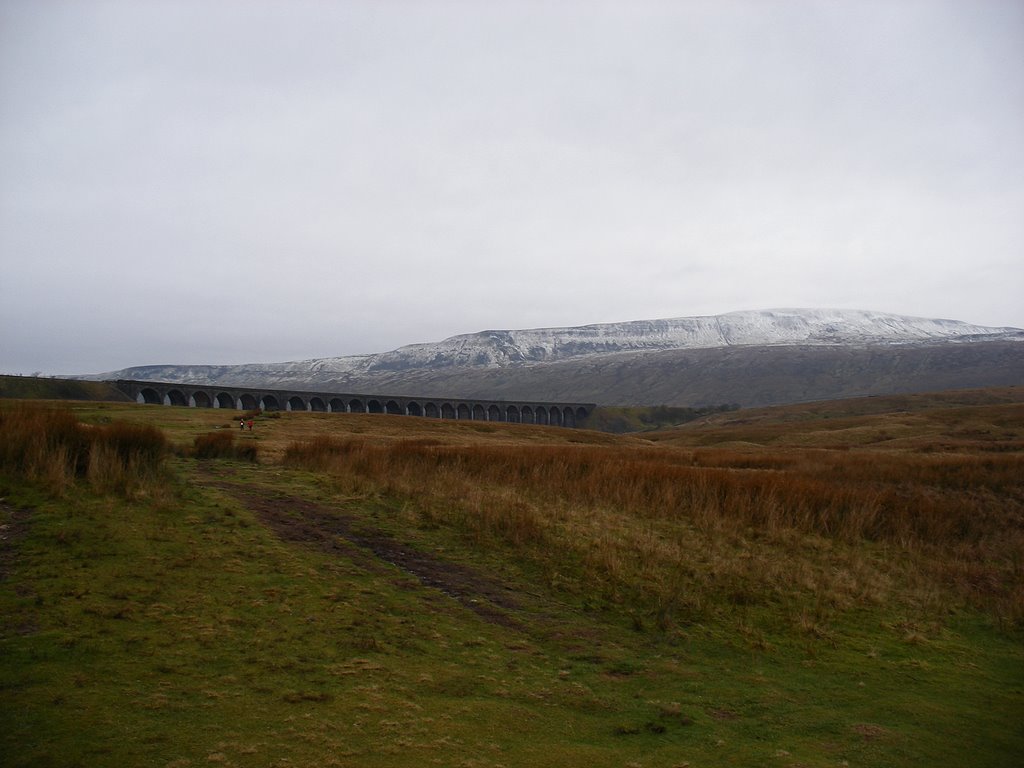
747 358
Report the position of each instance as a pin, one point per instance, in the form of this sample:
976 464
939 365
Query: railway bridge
251 399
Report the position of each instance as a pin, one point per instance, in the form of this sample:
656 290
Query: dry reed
669 520
50 446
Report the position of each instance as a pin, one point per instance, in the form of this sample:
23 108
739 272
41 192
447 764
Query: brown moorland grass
222 445
986 419
50 444
651 516
671 525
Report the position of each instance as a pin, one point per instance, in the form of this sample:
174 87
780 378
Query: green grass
622 419
36 387
174 627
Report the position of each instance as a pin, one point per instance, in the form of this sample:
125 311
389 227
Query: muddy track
13 528
331 530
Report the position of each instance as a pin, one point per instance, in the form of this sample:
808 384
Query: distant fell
746 358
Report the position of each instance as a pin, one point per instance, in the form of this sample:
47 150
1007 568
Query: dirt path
13 528
14 524
331 530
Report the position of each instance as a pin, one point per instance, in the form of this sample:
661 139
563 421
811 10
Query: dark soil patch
13 527
331 530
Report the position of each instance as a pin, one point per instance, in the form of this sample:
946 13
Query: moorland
830 584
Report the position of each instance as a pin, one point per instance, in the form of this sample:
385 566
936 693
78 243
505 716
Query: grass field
834 584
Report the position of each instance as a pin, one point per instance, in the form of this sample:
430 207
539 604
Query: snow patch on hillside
752 328
500 348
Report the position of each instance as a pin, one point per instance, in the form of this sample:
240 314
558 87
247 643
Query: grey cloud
314 179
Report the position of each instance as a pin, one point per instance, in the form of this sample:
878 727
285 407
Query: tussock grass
222 445
50 446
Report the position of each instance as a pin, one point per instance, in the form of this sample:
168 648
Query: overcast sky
237 181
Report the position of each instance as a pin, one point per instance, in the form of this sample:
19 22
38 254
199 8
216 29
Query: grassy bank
622 419
49 388
390 591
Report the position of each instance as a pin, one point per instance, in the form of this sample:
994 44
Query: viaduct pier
251 399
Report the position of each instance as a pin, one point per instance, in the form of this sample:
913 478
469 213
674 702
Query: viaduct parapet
251 399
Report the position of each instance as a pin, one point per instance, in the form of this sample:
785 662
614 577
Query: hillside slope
749 358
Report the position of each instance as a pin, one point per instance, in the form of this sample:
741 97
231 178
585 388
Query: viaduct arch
251 399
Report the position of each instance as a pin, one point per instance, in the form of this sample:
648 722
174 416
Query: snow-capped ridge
495 349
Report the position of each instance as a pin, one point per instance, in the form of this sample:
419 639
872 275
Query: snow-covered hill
757 328
518 348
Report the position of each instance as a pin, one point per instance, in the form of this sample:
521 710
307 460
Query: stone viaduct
251 399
